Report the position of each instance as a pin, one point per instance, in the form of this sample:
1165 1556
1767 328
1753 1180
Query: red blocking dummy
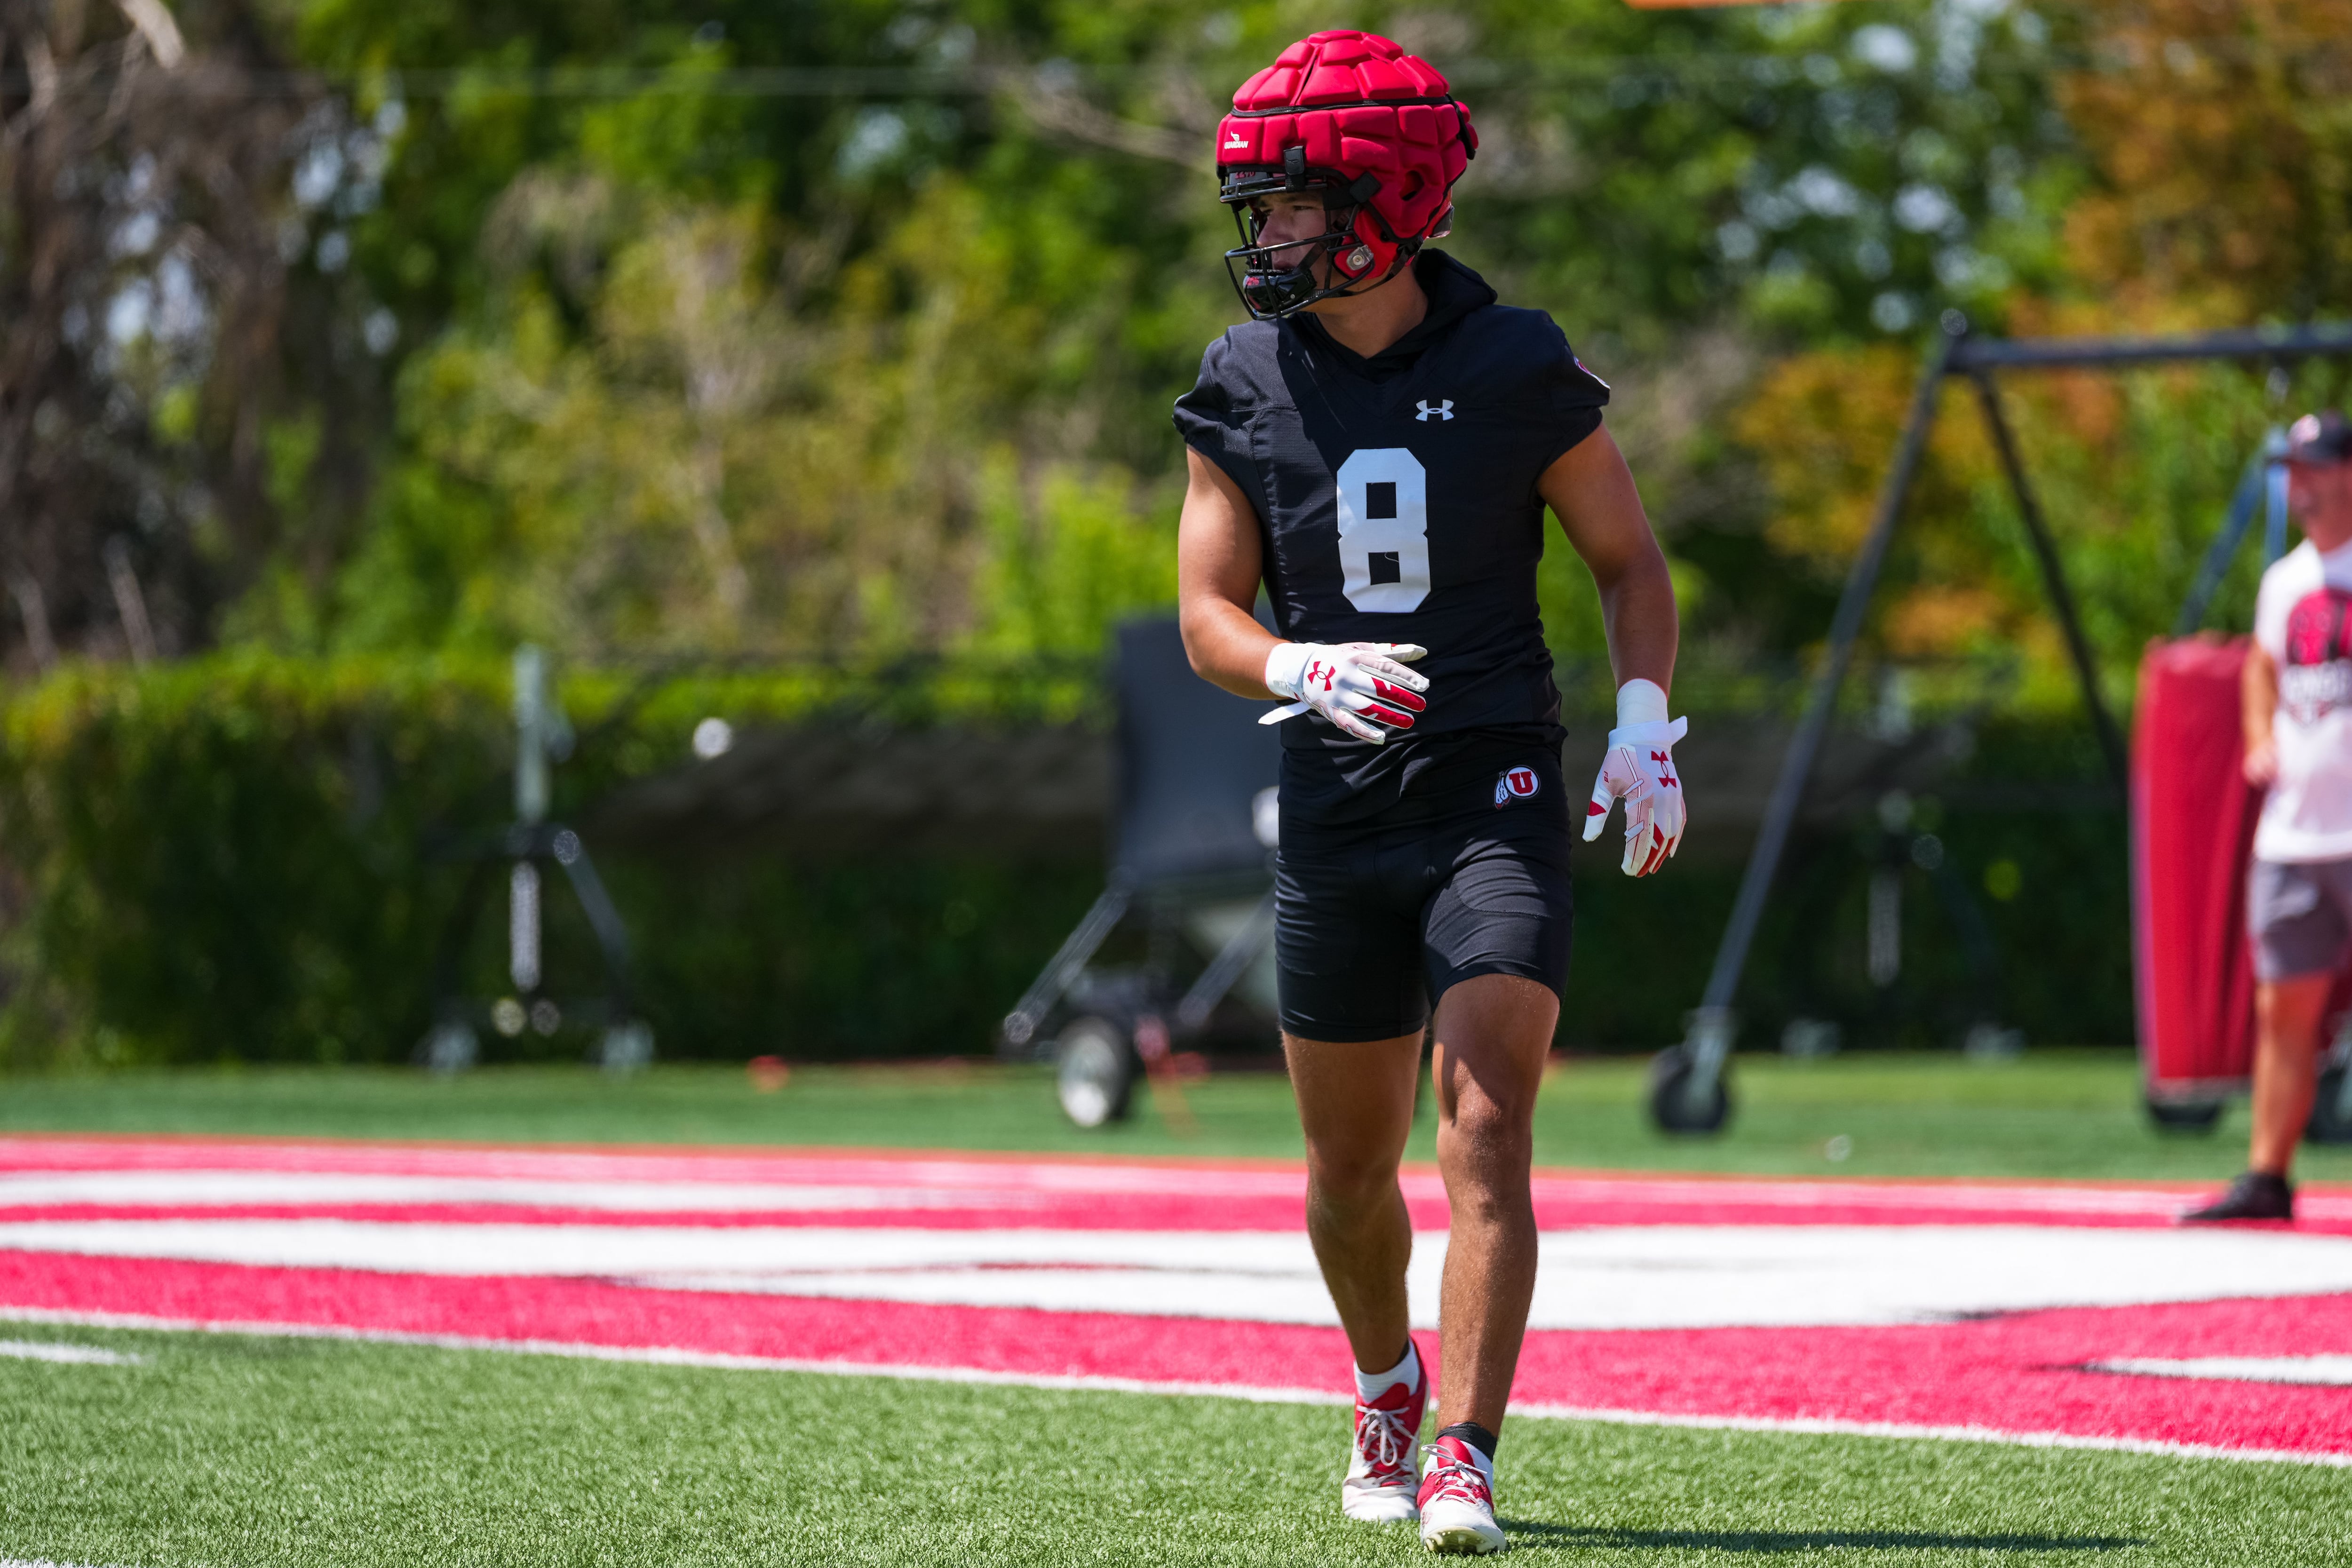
2193 822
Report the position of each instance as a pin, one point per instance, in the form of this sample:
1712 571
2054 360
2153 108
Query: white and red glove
1640 771
1359 685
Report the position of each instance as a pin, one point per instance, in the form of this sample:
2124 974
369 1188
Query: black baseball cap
2318 439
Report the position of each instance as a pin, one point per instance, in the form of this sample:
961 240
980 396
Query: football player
1375 449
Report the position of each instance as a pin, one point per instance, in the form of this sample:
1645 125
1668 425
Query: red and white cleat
1458 1502
1382 1478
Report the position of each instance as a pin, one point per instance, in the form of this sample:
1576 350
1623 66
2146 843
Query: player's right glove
1640 771
1359 685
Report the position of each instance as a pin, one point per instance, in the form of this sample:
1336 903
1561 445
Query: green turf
2048 1114
251 1453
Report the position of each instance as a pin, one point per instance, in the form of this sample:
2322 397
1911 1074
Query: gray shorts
2301 917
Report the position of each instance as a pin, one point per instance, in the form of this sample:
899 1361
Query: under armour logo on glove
1640 771
1444 409
1358 686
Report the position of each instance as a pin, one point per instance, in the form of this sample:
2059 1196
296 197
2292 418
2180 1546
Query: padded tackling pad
2192 834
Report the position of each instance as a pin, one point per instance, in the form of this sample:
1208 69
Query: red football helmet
1375 131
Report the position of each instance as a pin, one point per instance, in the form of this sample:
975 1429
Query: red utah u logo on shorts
1516 783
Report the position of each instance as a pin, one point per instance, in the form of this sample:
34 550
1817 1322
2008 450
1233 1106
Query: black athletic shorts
1468 876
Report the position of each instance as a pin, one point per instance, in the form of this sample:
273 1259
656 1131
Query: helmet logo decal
1238 140
1359 257
1444 409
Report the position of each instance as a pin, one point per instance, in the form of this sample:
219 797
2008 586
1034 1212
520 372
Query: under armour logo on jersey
1444 410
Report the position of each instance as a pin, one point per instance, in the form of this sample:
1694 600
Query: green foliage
213 865
695 365
245 858
844 331
1064 560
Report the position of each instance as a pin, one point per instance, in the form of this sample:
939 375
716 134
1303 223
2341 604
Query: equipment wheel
1670 1103
2329 1124
2194 1115
1094 1071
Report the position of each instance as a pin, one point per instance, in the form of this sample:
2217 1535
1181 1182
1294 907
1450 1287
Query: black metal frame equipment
624 1041
1688 1086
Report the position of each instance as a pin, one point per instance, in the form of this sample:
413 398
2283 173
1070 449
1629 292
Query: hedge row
248 857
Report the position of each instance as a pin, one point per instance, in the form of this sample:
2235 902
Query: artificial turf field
231 1449
2072 1114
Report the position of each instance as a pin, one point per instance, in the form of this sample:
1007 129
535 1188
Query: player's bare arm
1592 491
1363 688
1217 568
2258 705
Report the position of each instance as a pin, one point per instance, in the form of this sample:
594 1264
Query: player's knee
1350 1185
1491 1112
1485 1126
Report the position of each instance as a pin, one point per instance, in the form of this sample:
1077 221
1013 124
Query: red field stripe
2016 1374
1008 1340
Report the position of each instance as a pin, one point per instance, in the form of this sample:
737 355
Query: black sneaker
2257 1195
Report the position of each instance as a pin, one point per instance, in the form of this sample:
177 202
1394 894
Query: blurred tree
2216 189
2222 132
851 326
169 363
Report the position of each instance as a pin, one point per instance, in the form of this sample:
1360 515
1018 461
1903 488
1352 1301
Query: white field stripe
289 1171
1808 1426
661 1356
83 1356
221 1189
37 1563
1637 1277
667 1355
2320 1371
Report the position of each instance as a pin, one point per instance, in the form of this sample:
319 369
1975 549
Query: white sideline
668 1355
2313 1371
657 1355
1810 1427
83 1356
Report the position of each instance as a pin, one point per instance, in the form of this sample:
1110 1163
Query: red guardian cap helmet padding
1372 129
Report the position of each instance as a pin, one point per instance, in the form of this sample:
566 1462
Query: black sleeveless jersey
1396 502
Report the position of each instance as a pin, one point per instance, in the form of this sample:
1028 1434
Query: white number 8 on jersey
1384 531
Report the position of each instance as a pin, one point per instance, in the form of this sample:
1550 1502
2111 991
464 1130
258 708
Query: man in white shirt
2298 718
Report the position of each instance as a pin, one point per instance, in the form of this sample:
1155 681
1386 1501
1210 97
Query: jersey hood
1453 291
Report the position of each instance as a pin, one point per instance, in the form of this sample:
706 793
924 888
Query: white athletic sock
1371 1385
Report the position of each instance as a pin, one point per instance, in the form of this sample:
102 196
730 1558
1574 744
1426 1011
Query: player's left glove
1640 771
